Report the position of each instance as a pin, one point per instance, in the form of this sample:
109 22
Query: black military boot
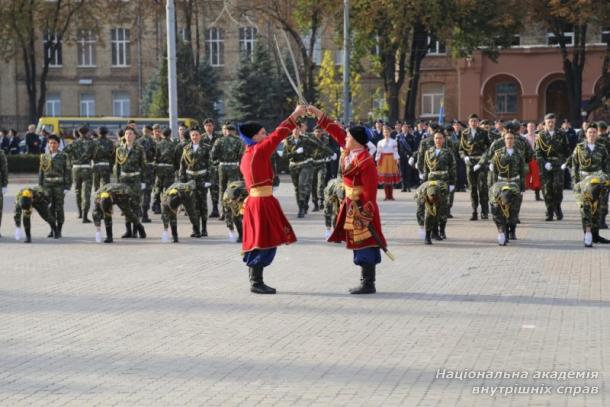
367 281
321 204
85 217
558 212
58 230
484 215
301 213
239 228
80 213
204 227
549 215
139 228
256 281
537 193
108 234
475 216
156 207
435 234
145 218
174 233
51 234
222 216
597 238
128 233
428 239
441 232
512 231
214 213
196 232
316 208
28 235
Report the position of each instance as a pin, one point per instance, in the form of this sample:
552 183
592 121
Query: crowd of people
337 168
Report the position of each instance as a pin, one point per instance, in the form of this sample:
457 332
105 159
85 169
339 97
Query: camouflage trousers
126 205
149 181
101 175
603 207
333 195
170 218
1 205
477 184
552 187
200 199
82 188
214 188
430 215
318 182
164 177
226 174
302 179
136 193
55 193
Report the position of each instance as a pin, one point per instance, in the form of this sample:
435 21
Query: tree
197 88
23 23
330 86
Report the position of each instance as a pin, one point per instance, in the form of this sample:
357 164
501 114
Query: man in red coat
264 225
359 207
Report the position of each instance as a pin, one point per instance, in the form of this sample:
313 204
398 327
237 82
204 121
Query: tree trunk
418 51
573 72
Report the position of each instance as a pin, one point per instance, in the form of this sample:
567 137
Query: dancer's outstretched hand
299 111
314 111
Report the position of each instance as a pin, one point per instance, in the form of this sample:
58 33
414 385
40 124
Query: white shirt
387 146
510 151
473 133
352 154
195 147
437 151
591 146
53 155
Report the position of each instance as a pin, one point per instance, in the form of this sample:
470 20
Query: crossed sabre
296 86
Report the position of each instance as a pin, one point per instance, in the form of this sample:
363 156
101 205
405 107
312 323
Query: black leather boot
474 216
196 232
256 282
301 213
428 239
128 233
558 212
321 204
239 228
316 208
108 234
435 235
174 233
367 281
214 213
506 231
156 207
512 231
51 234
80 213
145 218
441 231
204 227
484 215
537 193
140 229
597 238
58 230
28 235
549 215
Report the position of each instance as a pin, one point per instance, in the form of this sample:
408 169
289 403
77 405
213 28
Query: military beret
156 126
602 124
549 116
208 120
473 116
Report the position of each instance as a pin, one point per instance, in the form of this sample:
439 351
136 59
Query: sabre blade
287 73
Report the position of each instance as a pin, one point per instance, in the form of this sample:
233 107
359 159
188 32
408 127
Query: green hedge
23 163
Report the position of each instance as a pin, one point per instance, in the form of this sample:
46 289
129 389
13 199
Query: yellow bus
53 125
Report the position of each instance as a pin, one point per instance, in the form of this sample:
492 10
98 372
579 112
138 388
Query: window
317 48
516 40
121 104
435 47
214 46
568 34
85 47
506 97
606 34
247 41
219 106
52 106
432 95
119 38
87 105
339 57
52 49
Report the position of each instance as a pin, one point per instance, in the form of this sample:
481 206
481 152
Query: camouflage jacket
585 161
129 161
234 196
148 145
439 167
426 144
473 147
323 150
80 152
115 189
508 165
195 163
305 141
3 170
54 170
554 149
103 150
227 149
165 151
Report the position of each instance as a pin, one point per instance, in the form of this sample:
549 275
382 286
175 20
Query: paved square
149 324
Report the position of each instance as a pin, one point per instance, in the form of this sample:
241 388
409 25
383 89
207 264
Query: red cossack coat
264 223
361 172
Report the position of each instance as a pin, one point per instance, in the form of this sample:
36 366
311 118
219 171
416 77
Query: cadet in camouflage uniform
439 165
80 153
148 145
508 166
54 177
195 166
504 197
209 138
232 200
129 169
334 192
3 181
179 193
26 199
321 156
588 193
604 140
103 159
474 141
552 150
431 199
227 152
122 196
165 166
299 148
